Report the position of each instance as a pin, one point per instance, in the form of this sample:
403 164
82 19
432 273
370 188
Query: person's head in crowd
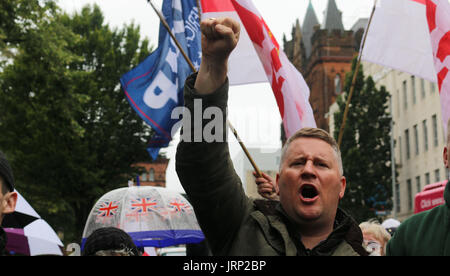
375 237
310 178
391 225
8 197
110 241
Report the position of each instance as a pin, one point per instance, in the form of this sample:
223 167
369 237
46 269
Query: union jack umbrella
152 216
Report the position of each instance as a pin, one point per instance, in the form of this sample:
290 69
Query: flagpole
188 60
352 88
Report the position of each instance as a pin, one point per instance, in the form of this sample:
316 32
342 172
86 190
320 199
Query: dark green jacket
424 234
233 223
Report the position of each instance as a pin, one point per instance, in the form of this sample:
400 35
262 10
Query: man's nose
308 169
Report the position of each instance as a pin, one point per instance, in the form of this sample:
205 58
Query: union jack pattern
176 205
108 209
144 205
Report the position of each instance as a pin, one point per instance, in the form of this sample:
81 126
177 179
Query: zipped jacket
233 224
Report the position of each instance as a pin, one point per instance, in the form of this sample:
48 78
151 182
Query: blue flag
155 87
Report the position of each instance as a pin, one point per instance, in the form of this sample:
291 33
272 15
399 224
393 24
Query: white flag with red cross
290 89
244 64
438 16
398 38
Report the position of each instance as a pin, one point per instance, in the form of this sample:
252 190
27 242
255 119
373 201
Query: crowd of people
300 215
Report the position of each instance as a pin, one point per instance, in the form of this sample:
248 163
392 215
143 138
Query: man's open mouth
308 192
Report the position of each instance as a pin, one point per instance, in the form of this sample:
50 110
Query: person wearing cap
109 241
8 197
426 233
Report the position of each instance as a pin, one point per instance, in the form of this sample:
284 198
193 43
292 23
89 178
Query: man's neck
312 240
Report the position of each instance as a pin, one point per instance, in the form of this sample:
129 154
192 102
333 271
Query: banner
438 16
289 87
155 87
398 38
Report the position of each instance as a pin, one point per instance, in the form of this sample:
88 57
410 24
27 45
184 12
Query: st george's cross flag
398 38
155 87
290 89
258 57
438 16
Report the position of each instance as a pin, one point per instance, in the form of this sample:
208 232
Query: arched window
144 176
337 84
151 175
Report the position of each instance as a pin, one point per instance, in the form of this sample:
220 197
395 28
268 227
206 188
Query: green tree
17 18
65 123
365 147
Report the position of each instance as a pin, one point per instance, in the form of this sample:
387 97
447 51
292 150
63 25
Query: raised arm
219 38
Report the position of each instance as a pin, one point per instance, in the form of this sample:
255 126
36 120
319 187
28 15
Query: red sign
431 196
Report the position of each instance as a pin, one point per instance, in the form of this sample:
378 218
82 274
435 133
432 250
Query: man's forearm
211 75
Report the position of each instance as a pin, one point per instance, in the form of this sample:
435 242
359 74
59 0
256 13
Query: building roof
308 27
333 17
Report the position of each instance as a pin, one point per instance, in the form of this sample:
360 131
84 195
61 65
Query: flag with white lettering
438 16
155 87
290 89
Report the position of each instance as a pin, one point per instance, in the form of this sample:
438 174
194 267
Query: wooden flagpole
186 57
352 87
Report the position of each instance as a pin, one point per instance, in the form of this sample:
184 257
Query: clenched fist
219 38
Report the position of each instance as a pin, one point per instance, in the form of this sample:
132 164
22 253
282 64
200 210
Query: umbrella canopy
23 215
37 238
152 216
27 233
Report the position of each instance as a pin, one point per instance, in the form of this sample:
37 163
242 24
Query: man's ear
343 185
9 201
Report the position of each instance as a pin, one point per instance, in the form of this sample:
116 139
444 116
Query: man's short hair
309 132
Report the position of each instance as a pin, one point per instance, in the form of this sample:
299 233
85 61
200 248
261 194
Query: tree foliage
66 126
365 147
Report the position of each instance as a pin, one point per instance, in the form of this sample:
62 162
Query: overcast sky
252 108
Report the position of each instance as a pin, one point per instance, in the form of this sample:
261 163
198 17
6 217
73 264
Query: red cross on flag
398 38
290 89
438 16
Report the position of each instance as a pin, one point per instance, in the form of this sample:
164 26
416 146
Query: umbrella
37 238
23 214
152 216
28 233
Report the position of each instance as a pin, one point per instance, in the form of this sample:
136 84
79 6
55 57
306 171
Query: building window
144 176
408 153
425 135
437 175
410 195
418 183
400 149
416 139
152 175
405 96
435 130
427 179
397 198
413 89
337 84
422 88
432 87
